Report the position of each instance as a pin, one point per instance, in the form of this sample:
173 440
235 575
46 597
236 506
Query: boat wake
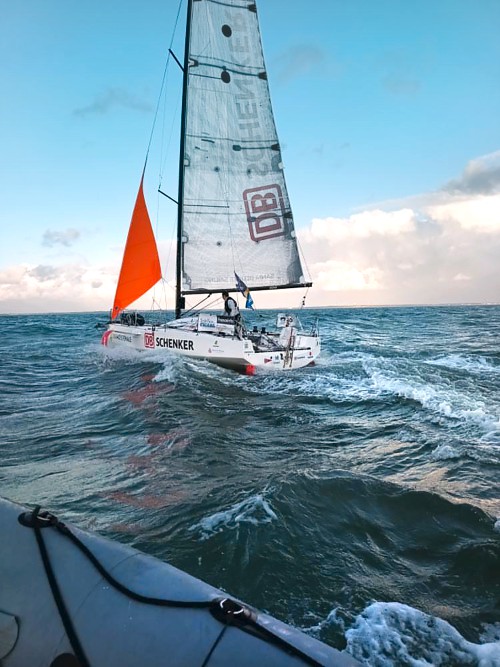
361 377
442 400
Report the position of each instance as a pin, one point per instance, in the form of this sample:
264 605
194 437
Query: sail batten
236 214
140 268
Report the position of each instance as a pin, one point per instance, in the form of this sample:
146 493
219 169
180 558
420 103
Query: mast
179 301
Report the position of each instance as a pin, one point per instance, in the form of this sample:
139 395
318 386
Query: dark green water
359 500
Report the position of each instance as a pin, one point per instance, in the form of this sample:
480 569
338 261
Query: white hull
225 350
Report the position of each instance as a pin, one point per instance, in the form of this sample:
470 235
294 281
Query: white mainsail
236 213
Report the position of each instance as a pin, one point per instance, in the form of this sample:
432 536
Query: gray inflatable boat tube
69 598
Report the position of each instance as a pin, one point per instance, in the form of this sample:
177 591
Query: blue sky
382 106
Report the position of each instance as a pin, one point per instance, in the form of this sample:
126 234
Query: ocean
358 500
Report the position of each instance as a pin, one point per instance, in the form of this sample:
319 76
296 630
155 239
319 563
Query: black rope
281 643
226 611
209 654
145 599
58 598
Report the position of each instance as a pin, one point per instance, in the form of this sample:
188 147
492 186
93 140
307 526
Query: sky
388 113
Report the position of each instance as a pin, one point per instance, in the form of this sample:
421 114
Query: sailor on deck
231 307
287 332
231 310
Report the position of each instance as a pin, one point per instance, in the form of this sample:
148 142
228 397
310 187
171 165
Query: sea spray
389 634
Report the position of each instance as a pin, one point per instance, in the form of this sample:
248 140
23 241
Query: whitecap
254 510
444 401
172 364
462 362
388 634
331 619
443 452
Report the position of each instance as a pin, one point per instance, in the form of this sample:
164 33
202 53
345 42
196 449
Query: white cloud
65 237
480 214
480 176
438 253
362 225
73 287
340 276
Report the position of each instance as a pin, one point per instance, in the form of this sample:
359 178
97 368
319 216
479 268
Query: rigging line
214 646
176 59
162 168
165 147
169 141
302 257
163 81
162 96
163 283
186 312
168 197
156 302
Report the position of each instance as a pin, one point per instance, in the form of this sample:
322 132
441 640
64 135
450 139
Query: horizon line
334 307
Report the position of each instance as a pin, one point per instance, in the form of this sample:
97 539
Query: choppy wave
438 398
313 494
462 362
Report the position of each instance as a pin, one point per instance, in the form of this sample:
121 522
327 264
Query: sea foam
389 634
444 452
254 510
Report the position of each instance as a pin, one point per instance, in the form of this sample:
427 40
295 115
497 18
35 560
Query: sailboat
235 229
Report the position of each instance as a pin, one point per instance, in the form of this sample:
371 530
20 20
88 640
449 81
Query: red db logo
265 212
149 339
